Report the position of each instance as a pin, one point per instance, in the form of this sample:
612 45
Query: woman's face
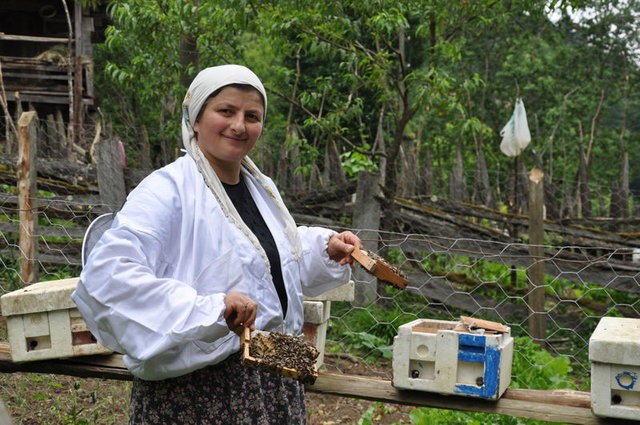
230 125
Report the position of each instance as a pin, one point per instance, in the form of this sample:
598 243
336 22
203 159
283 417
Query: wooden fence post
110 173
366 218
535 272
457 185
26 178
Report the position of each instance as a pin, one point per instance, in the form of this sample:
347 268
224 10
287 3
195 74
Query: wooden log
26 175
457 234
63 177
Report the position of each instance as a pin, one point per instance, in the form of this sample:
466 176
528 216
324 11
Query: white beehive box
439 356
317 311
316 317
614 351
44 323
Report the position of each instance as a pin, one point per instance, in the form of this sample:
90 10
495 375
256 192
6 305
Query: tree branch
594 122
5 107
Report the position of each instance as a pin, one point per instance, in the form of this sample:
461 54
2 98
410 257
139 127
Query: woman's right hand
240 312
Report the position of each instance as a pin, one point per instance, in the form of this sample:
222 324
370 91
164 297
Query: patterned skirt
227 393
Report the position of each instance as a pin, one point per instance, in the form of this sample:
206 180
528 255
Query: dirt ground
39 399
333 410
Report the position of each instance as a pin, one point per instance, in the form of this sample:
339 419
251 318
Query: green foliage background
373 77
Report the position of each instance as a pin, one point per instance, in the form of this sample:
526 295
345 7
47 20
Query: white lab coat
153 286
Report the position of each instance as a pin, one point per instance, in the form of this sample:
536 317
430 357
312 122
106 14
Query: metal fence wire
449 277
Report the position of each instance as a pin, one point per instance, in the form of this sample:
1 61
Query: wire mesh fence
489 280
449 276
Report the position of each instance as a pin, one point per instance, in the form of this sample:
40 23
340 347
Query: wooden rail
10 37
573 407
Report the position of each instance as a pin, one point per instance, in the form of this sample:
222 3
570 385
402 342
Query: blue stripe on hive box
474 349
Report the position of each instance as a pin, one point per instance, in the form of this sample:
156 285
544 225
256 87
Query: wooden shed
46 60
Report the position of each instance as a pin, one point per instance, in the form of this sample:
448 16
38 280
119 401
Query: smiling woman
203 249
228 127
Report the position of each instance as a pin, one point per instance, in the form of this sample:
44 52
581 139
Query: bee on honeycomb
281 353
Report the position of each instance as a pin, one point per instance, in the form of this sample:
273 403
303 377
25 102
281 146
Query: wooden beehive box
44 323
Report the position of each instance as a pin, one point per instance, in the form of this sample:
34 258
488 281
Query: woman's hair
243 87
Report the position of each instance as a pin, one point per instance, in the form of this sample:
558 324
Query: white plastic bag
515 135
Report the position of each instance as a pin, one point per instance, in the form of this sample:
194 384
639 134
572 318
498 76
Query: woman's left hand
341 246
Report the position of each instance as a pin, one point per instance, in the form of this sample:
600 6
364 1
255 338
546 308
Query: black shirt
248 210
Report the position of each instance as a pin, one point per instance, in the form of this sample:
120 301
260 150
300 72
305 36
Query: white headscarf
206 82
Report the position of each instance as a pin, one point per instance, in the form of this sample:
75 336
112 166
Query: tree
146 66
363 85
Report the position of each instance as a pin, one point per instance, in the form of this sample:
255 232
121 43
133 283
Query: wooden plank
107 367
572 407
38 86
48 76
364 260
38 98
32 38
471 322
31 65
5 350
36 90
547 405
380 268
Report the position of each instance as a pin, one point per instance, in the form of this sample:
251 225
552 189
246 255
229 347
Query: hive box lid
616 340
42 296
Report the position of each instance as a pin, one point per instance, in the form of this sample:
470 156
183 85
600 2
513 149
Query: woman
201 249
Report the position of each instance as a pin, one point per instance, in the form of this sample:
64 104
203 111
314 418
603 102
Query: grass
43 399
48 399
